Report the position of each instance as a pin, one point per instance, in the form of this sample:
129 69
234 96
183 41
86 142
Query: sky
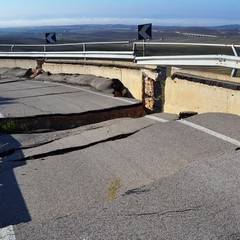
14 13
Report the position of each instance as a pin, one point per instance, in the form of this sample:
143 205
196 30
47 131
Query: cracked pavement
175 182
76 141
169 191
21 97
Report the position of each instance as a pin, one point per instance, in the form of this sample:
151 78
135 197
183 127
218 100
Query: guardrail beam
87 54
192 60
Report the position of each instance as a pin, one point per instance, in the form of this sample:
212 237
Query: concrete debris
32 73
152 94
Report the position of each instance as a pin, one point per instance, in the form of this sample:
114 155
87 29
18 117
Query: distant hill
235 27
117 32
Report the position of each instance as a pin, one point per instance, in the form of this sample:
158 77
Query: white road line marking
202 129
210 132
156 118
96 93
1 115
7 233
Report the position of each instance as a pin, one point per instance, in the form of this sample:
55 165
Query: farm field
107 33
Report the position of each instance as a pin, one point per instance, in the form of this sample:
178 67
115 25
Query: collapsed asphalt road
152 177
46 95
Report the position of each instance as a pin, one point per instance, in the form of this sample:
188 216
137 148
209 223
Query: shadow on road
13 209
4 101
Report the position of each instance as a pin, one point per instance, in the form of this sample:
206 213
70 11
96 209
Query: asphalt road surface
20 97
154 177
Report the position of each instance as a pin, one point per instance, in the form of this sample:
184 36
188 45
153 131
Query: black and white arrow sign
50 37
145 31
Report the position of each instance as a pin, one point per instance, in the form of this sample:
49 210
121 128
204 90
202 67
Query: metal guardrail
192 60
228 61
187 44
83 54
44 47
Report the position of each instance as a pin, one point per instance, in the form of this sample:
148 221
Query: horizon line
164 22
114 24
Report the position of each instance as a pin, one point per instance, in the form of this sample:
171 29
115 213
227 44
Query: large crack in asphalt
70 149
161 214
45 138
68 132
56 122
37 144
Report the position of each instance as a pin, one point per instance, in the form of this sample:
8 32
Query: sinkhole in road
57 122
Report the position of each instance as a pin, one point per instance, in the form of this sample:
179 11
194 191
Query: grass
8 126
113 188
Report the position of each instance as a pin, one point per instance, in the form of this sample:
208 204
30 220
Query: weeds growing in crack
113 188
8 126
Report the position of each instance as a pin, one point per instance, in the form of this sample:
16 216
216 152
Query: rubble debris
119 90
152 94
33 72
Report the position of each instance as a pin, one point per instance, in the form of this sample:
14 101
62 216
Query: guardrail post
134 47
12 48
234 71
144 48
44 48
84 47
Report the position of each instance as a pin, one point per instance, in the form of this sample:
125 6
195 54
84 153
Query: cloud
133 21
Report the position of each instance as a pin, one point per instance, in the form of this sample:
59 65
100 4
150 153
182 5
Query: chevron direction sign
50 37
145 31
